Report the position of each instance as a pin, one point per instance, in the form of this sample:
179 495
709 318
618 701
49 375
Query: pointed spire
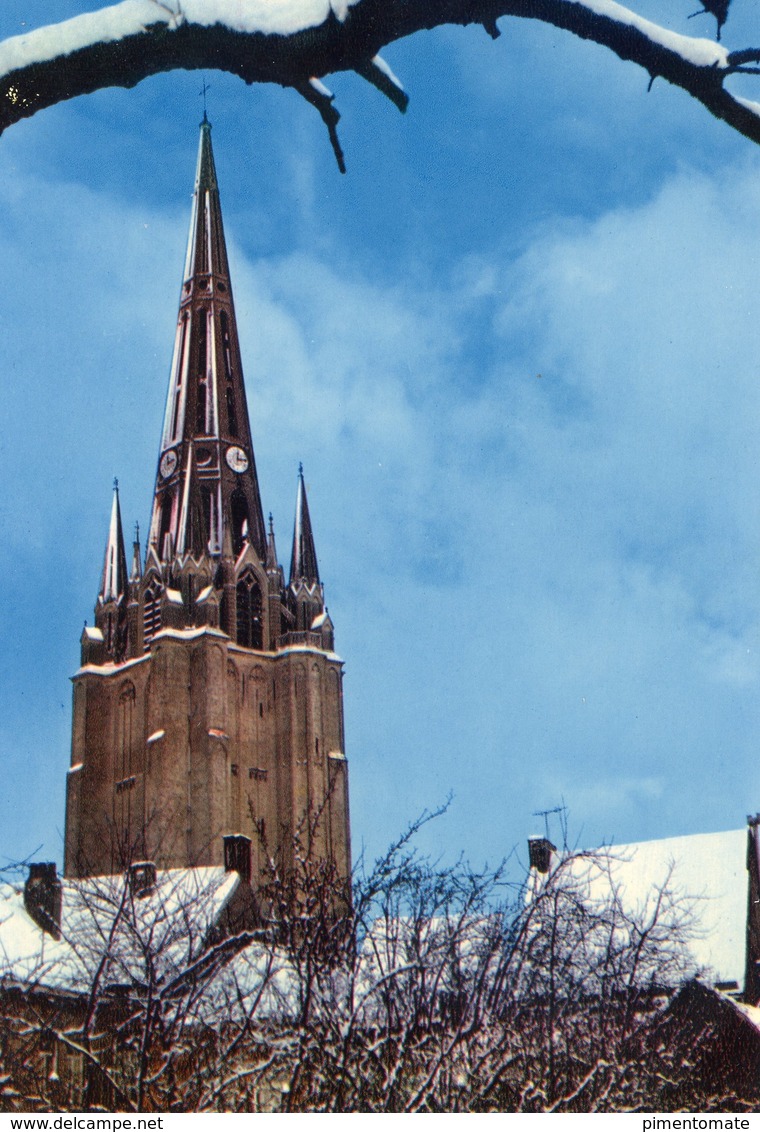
114 582
198 499
136 571
272 564
206 249
303 562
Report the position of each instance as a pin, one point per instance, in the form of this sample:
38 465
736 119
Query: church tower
209 701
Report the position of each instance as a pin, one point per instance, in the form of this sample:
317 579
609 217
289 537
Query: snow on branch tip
295 43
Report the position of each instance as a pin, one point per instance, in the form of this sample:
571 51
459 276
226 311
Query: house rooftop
178 908
705 875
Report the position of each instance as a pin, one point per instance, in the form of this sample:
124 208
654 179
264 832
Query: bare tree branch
293 46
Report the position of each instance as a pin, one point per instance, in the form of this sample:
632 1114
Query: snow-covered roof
751 1013
707 875
101 916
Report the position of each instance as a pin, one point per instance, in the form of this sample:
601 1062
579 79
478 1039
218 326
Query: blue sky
516 348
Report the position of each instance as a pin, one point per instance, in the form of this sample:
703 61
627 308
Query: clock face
236 459
168 464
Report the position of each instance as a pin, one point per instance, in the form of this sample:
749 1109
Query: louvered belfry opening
151 616
249 611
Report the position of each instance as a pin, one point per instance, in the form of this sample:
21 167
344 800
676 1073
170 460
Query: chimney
43 897
540 851
237 855
141 877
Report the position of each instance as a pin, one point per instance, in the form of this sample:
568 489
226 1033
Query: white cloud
582 545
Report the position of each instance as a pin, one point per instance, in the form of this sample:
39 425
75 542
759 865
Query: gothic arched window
125 729
231 413
166 519
225 324
239 509
200 410
109 633
211 525
202 344
249 607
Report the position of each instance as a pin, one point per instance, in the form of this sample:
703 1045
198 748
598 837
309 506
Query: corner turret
306 599
111 606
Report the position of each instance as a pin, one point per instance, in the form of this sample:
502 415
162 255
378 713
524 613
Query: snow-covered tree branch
295 43
439 988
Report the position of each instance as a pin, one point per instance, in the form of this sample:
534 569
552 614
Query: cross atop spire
136 571
204 91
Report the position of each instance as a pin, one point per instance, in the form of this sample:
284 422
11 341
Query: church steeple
206 481
209 701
